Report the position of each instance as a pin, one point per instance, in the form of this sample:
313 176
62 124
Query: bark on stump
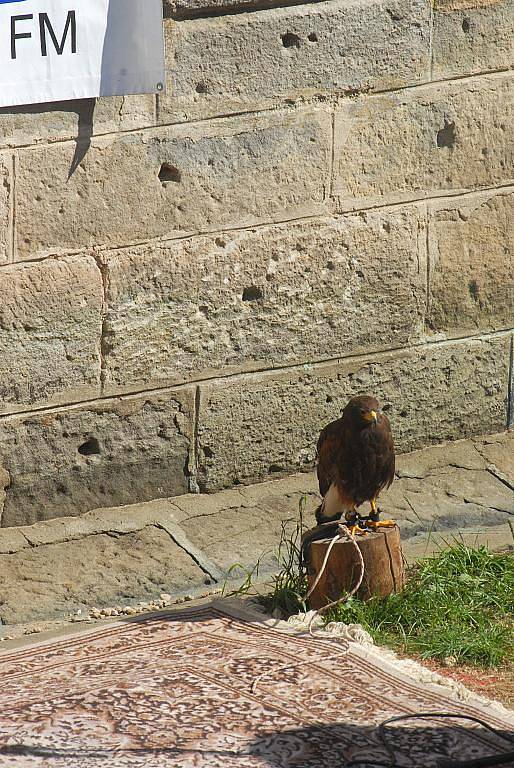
384 571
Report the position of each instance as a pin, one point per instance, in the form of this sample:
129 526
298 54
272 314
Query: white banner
54 50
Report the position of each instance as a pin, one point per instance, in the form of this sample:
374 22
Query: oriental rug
214 687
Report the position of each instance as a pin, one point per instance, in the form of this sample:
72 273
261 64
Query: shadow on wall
83 108
113 73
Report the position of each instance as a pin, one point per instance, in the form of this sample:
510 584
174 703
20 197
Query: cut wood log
384 571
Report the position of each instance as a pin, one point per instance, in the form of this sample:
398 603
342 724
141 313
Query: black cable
483 762
480 762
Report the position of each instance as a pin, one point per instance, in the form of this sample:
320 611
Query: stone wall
192 285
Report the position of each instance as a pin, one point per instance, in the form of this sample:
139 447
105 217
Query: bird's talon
374 524
355 530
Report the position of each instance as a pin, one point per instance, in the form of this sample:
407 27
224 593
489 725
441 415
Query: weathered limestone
424 142
302 194
442 494
472 263
498 452
70 461
5 207
56 579
267 296
139 186
472 36
497 538
50 332
256 60
253 426
81 119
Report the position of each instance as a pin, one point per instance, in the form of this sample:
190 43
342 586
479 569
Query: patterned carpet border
221 686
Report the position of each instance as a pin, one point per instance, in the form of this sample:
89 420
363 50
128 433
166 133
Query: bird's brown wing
328 449
385 459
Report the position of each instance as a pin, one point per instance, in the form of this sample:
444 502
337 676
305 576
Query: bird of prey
355 462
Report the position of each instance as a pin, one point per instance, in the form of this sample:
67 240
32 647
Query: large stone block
264 297
472 36
472 263
106 454
5 208
50 332
101 570
254 426
251 61
81 119
169 182
423 142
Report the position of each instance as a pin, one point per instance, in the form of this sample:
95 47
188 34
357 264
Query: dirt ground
497 684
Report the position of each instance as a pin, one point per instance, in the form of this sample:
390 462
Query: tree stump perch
384 571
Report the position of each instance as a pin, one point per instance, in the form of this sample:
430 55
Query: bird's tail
322 517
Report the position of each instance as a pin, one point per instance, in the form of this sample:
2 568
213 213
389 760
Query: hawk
355 462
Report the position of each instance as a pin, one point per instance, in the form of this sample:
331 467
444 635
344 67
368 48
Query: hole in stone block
290 40
208 452
313 38
465 25
90 448
202 88
253 293
446 136
274 468
169 173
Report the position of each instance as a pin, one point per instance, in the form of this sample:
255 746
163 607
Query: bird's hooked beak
371 416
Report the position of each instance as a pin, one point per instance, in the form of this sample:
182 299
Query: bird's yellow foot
374 524
356 530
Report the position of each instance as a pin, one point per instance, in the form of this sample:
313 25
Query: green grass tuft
458 603
289 584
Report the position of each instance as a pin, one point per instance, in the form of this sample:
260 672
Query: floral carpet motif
203 688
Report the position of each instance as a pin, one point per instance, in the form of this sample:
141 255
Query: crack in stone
178 536
488 507
495 472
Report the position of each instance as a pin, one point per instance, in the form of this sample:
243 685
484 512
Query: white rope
342 535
